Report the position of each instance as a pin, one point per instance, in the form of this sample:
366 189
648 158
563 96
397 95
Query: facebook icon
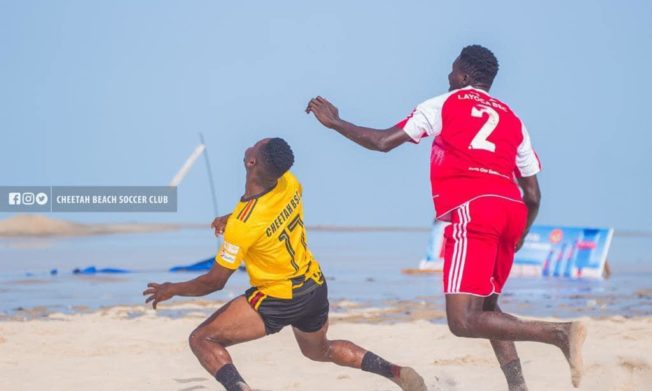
14 198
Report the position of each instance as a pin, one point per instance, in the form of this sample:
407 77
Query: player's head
269 157
475 66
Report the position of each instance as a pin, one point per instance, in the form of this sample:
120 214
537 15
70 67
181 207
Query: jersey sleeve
238 239
425 120
527 161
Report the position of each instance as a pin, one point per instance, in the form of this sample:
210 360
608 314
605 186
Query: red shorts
480 243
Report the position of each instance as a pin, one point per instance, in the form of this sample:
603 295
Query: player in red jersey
481 161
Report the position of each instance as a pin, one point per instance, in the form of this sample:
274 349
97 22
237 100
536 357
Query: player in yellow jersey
266 232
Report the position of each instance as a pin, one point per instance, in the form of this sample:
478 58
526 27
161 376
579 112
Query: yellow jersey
267 233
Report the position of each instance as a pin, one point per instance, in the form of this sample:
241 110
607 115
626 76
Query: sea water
363 267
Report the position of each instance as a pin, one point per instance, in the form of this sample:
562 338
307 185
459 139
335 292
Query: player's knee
459 325
195 339
199 338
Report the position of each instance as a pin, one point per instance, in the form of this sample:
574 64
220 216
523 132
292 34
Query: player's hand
324 111
219 224
158 292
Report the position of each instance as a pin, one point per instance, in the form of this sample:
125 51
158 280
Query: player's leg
316 346
234 323
472 248
506 353
506 350
467 319
310 332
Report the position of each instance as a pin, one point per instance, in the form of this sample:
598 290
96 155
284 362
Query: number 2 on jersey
480 140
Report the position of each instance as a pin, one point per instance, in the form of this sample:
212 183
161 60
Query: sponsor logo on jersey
229 252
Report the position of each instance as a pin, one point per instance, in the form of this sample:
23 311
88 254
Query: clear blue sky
114 93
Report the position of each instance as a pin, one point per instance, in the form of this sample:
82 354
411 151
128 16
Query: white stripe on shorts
465 242
453 265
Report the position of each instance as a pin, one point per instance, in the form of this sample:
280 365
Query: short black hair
480 63
277 156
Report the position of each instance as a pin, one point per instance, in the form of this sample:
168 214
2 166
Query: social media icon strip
41 198
15 198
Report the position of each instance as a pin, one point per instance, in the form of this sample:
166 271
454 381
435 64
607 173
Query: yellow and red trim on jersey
245 213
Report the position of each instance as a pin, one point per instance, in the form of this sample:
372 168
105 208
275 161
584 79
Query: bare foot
410 380
573 351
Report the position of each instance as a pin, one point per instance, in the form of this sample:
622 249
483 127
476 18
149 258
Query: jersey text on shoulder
476 97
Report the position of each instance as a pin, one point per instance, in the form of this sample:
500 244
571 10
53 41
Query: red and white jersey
479 147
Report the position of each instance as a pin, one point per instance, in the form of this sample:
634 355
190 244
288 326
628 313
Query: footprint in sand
197 387
193 388
192 380
640 372
634 364
468 359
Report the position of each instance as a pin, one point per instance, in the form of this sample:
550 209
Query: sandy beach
42 226
134 348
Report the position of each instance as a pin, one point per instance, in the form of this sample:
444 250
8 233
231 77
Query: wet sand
43 226
35 225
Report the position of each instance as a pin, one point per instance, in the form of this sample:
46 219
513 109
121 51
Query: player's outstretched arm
532 199
207 283
374 139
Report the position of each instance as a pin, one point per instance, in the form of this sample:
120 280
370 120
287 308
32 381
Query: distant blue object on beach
54 272
94 270
198 266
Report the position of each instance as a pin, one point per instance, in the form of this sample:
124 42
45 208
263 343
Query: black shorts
307 310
